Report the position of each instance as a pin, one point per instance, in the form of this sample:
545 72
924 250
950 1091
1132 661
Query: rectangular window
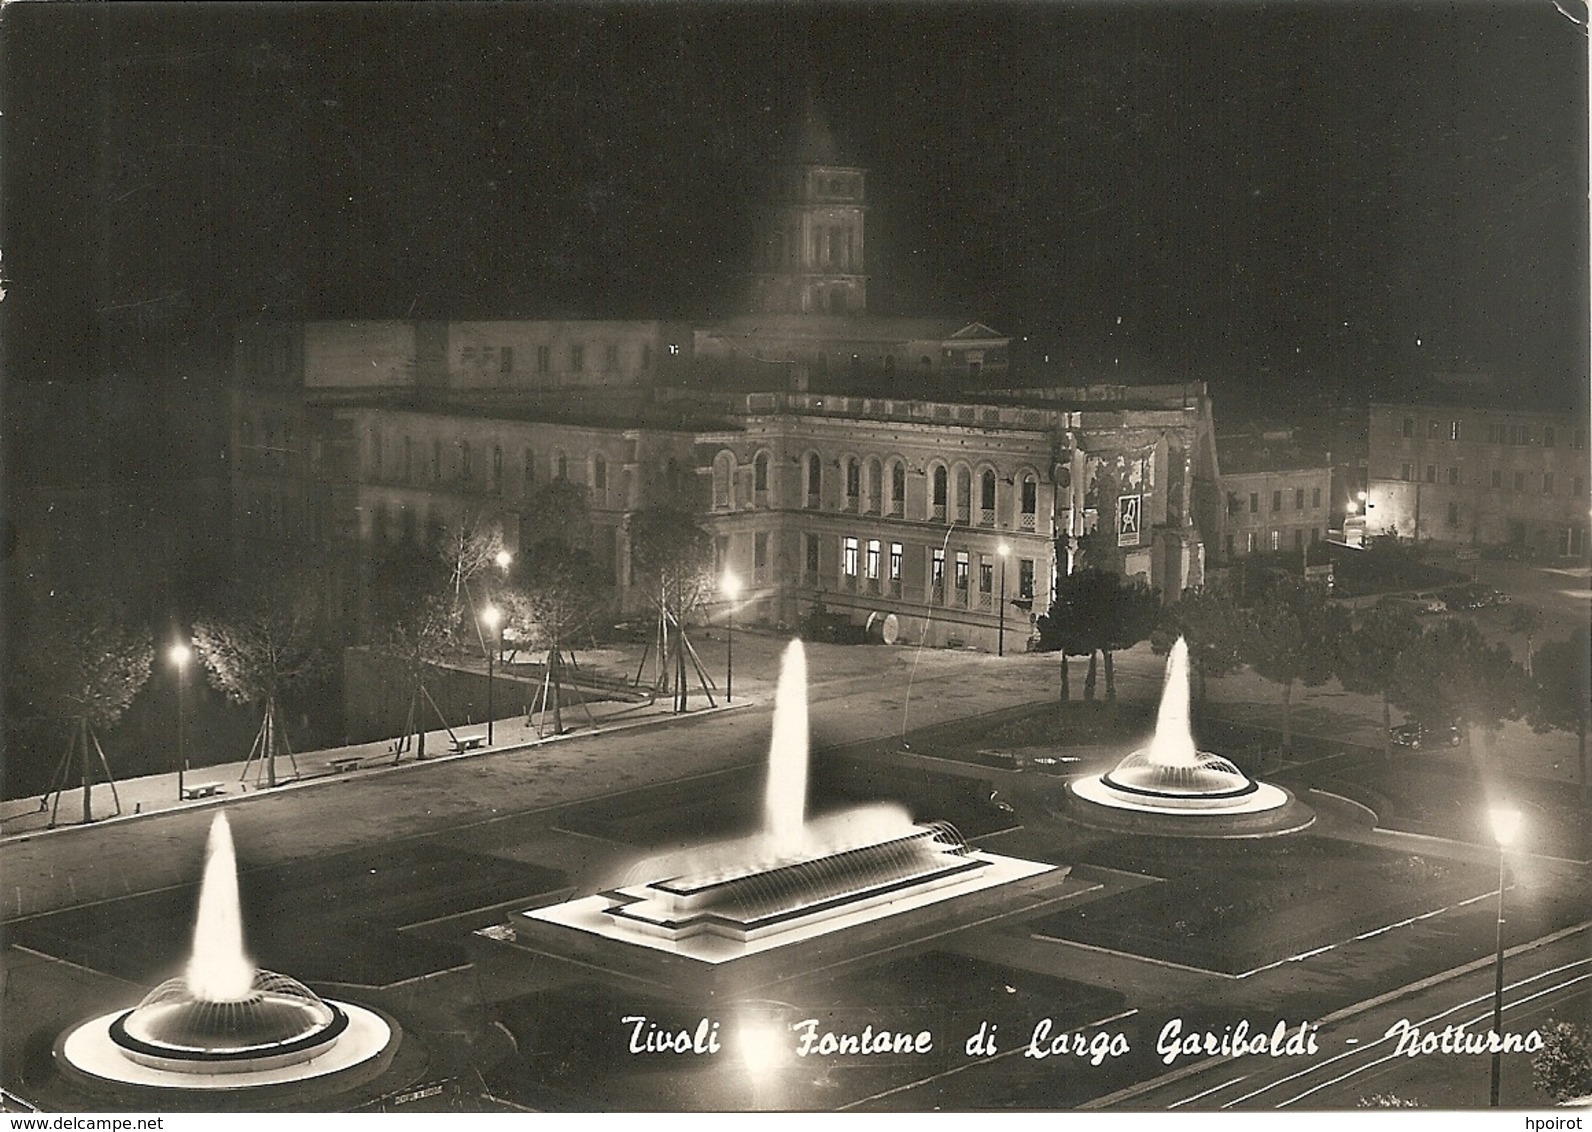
1514 434
1453 474
1492 434
1431 473
936 572
577 358
961 576
1547 483
1254 502
610 358
1299 538
1453 430
1315 497
544 359
848 556
1520 481
1233 504
986 574
1249 542
1276 501
1409 427
1025 577
896 550
1405 471
1550 436
1497 479
1432 432
1299 499
871 562
506 360
1453 514
1276 540
488 356
812 557
760 550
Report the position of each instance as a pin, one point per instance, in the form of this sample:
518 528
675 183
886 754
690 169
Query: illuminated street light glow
1505 822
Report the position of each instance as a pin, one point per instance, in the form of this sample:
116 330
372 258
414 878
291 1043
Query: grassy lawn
1239 905
1440 797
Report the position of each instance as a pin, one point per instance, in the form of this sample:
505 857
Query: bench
202 790
465 743
342 765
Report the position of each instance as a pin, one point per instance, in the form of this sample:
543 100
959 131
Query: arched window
815 480
964 496
464 460
853 483
497 467
561 467
875 486
724 482
938 511
1030 502
986 499
599 478
529 470
760 478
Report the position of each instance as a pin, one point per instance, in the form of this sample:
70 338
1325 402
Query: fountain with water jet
224 1025
1172 787
802 891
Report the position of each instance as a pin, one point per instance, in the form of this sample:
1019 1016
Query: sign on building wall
1128 519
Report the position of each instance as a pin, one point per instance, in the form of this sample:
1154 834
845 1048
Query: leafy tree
1563 1067
1452 675
1292 636
1525 620
81 661
1563 692
1212 624
559 512
263 641
1094 611
1370 656
553 595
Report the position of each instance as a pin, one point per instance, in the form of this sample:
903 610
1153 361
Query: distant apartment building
1276 495
1479 476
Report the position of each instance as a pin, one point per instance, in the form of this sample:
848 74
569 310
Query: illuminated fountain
760 907
224 1024
1171 786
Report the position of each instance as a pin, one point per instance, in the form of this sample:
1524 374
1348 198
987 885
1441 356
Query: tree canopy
261 640
674 555
1096 611
80 657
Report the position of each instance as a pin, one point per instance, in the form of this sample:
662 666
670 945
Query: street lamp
731 588
1000 641
179 655
504 560
1505 824
493 620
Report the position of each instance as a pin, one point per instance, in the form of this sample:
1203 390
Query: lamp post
1000 640
180 655
493 620
504 560
731 587
1505 823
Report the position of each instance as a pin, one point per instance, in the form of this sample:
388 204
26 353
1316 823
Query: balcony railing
848 582
1025 521
760 498
851 504
760 575
893 587
960 599
984 601
938 513
986 517
897 507
872 585
812 501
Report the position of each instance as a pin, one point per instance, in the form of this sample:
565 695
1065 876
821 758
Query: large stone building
871 465
1277 494
1463 474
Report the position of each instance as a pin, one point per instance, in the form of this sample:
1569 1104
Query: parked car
1422 603
1414 736
1472 596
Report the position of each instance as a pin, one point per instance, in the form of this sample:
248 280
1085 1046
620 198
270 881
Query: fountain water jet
223 1023
718 906
1171 779
785 795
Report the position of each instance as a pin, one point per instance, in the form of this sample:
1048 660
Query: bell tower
811 235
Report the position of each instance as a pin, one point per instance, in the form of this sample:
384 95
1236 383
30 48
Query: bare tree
675 558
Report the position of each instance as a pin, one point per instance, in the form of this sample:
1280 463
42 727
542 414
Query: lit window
871 563
848 556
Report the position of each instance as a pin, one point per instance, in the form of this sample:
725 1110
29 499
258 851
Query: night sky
1358 192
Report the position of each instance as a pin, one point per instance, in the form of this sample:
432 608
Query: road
1367 1053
